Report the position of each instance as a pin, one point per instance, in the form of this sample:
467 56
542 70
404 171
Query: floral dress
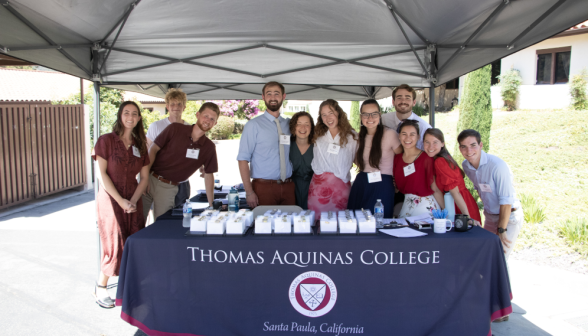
416 187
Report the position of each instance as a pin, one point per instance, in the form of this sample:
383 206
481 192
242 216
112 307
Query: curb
26 207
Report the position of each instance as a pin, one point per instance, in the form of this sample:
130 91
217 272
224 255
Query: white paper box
283 224
302 224
198 224
328 223
362 213
346 214
236 225
263 225
309 215
367 225
216 226
347 225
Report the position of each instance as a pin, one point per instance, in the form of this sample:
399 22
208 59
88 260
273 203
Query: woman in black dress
302 130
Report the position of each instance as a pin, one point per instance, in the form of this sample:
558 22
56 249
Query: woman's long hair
294 120
138 132
443 152
342 123
376 150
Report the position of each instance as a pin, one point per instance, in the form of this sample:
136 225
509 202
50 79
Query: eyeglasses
368 115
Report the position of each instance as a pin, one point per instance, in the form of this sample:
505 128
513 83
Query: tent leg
96 183
432 104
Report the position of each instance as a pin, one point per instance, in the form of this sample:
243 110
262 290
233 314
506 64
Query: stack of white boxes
198 224
236 225
302 223
328 222
347 222
283 224
263 225
216 225
248 215
365 221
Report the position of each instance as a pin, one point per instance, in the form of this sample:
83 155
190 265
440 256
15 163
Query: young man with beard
175 103
403 99
176 154
263 153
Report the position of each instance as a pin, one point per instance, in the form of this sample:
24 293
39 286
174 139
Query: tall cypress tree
355 117
475 111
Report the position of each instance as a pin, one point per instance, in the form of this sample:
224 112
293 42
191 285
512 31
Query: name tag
374 177
136 152
409 169
334 149
284 139
486 188
193 153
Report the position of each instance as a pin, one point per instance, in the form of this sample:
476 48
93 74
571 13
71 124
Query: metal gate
42 151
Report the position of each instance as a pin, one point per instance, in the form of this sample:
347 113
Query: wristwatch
501 230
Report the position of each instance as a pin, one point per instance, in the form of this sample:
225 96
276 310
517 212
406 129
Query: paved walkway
48 264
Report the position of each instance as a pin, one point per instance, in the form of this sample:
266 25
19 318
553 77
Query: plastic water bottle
379 213
233 200
187 213
449 206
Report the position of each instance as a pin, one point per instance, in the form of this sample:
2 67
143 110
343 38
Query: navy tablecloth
440 284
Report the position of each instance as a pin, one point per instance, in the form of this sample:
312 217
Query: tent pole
432 104
96 183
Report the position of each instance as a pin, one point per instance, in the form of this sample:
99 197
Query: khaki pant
515 222
161 195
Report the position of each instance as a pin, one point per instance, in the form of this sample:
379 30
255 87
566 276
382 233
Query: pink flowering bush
242 109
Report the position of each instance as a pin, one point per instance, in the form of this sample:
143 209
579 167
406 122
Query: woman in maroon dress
414 174
121 155
448 175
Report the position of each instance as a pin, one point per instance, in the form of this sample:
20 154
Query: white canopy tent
341 49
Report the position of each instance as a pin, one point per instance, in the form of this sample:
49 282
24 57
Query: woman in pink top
375 158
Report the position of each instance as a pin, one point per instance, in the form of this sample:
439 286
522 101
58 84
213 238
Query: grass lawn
547 151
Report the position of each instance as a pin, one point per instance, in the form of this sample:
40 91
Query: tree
355 117
578 90
475 111
510 82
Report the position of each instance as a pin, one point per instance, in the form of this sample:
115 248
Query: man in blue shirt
493 180
264 153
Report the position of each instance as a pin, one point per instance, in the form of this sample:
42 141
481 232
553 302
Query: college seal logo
313 294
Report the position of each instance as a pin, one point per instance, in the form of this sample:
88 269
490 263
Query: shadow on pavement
517 325
37 208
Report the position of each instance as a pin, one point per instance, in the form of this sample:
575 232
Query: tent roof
341 49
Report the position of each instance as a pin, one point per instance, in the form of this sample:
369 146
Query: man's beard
199 124
404 109
277 108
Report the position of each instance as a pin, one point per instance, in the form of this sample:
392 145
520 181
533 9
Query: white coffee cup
440 225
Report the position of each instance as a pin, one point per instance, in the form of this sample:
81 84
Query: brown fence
42 151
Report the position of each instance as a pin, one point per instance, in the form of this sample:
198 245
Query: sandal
104 302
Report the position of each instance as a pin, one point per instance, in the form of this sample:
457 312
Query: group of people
400 160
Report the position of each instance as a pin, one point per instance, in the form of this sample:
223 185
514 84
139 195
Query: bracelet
247 195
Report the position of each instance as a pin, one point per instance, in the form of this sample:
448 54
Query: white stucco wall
543 96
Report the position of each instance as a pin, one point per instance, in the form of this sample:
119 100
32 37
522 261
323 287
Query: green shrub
223 128
419 110
355 118
578 90
510 82
533 212
576 232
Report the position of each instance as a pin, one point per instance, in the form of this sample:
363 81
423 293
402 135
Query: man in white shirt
175 103
494 182
403 99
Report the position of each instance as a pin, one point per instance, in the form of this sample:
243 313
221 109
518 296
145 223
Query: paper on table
199 205
401 221
423 217
403 232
